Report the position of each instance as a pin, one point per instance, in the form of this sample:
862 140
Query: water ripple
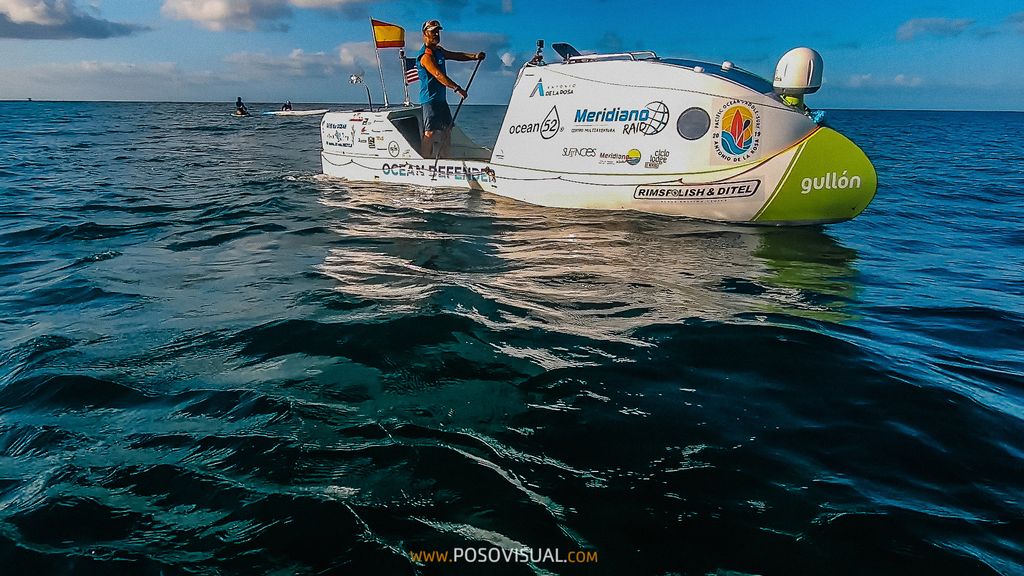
216 361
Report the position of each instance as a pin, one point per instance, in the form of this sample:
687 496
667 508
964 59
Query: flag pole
405 81
379 67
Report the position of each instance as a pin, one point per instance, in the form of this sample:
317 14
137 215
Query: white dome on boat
798 72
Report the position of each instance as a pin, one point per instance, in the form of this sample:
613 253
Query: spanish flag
387 35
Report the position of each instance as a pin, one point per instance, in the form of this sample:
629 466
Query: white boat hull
470 174
708 146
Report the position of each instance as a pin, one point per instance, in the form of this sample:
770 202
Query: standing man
437 117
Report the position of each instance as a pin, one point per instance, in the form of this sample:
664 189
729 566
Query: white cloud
325 3
933 27
99 80
226 14
348 58
55 19
871 81
258 77
35 11
297 64
906 81
474 42
220 15
355 55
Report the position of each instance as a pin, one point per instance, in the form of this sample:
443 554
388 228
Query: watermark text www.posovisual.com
495 555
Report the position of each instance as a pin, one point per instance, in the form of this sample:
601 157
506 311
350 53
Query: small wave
100 257
971 326
70 292
19 266
132 208
894 540
35 441
68 392
172 485
233 405
358 342
74 519
224 238
84 231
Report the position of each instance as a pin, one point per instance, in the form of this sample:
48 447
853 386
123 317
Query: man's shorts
436 116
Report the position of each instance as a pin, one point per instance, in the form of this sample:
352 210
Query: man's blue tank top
431 90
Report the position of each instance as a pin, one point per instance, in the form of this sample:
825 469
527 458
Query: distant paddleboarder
240 109
287 106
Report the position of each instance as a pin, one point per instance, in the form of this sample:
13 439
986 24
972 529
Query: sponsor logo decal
649 120
632 157
393 149
657 159
720 191
444 172
338 138
830 181
552 89
548 128
579 152
551 125
737 131
342 136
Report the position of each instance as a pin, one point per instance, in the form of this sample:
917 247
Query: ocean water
213 360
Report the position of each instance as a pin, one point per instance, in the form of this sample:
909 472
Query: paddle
437 155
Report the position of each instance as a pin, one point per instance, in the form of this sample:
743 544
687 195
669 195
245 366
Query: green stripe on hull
830 180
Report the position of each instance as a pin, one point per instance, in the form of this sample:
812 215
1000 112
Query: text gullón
830 181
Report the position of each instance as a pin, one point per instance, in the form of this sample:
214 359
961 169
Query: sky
914 54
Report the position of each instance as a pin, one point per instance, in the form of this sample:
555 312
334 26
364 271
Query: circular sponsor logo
737 131
633 157
393 149
657 118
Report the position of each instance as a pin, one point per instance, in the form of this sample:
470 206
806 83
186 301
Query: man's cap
432 25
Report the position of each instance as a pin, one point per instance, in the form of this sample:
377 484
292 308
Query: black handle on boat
437 155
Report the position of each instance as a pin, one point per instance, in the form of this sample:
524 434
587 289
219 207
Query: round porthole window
693 123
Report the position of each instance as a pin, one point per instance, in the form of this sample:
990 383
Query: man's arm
464 56
432 68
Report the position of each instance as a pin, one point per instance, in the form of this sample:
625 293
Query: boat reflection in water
570 362
530 276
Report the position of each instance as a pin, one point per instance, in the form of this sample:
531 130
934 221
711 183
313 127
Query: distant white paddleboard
296 112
